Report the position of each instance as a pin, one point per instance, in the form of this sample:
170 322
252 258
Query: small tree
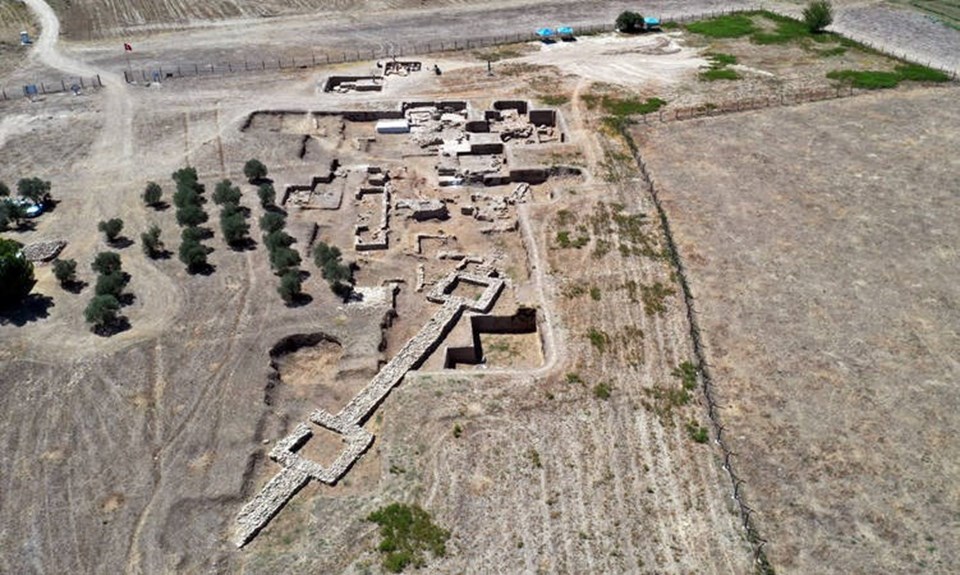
254 170
338 274
4 190
267 195
65 271
194 255
111 229
111 284
284 258
107 263
102 312
226 193
191 215
152 194
629 22
193 234
278 239
235 228
272 222
818 15
150 239
34 189
187 196
16 274
11 213
185 176
290 286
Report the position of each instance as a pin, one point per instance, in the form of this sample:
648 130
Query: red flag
127 47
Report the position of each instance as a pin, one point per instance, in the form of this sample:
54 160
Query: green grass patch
622 107
670 26
595 293
787 30
574 378
719 74
918 73
732 26
687 373
866 79
553 99
602 390
406 533
720 59
565 241
599 339
654 297
697 432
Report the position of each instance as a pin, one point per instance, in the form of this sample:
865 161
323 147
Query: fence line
308 60
45 87
757 543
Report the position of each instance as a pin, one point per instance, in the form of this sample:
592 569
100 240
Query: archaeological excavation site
493 287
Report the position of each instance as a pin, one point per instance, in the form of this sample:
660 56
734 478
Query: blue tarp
651 21
565 31
545 32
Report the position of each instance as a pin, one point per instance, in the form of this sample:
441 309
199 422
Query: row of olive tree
189 201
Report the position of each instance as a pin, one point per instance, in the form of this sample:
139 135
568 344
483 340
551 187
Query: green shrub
111 228
599 339
152 194
629 22
697 432
817 15
65 271
602 390
407 532
150 240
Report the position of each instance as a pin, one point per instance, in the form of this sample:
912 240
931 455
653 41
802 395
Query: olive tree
254 170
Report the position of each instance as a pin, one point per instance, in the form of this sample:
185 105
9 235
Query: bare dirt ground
134 453
823 254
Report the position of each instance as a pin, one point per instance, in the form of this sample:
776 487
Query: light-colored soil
823 256
134 453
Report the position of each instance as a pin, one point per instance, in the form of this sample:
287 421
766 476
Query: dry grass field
582 448
822 248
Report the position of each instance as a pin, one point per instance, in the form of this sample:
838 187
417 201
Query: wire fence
306 60
40 88
785 97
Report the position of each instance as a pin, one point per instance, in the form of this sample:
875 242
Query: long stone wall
297 471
